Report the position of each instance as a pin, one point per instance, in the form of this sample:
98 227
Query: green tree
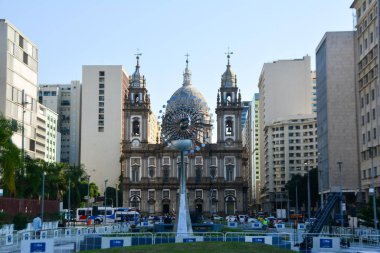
9 157
301 183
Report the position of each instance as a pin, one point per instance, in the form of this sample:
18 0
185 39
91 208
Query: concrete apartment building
102 122
47 136
65 99
18 84
291 149
285 91
337 113
367 83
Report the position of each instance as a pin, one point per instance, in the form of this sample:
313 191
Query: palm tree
9 157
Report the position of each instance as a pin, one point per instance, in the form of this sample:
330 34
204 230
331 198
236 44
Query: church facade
216 174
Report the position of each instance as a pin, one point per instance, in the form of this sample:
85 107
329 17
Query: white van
243 218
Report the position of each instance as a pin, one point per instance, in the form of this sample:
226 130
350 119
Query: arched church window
137 98
229 127
135 202
228 99
135 173
136 128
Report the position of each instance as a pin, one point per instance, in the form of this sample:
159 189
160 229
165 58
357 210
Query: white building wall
100 150
18 72
287 88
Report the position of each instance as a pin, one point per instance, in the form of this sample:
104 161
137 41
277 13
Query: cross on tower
229 55
187 58
138 54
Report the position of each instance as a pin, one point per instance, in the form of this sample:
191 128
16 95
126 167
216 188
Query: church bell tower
137 110
229 109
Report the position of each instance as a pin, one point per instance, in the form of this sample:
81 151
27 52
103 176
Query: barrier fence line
83 238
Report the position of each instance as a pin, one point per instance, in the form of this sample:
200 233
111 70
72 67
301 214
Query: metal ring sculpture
183 119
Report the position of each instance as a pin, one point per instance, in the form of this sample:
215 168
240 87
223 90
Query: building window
367 98
165 173
101 73
21 41
371 37
368 117
373 113
374 133
229 173
373 94
362 102
369 136
363 138
100 129
25 58
135 173
362 120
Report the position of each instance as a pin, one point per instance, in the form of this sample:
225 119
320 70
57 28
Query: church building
217 180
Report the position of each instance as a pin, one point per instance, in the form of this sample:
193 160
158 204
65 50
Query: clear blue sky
73 33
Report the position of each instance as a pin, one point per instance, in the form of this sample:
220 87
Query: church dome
188 95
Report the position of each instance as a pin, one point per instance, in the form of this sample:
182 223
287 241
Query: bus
127 214
84 214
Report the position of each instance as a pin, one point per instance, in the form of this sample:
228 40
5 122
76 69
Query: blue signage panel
38 247
232 224
258 240
189 240
116 243
256 225
325 243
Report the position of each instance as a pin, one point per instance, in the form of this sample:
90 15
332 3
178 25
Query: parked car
216 217
231 218
310 221
250 219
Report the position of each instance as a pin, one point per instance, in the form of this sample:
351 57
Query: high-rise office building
256 149
65 99
102 122
336 113
368 92
285 92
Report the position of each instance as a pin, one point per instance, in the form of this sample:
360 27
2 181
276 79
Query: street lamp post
88 197
341 195
105 201
320 187
374 191
43 197
68 199
117 191
23 103
308 189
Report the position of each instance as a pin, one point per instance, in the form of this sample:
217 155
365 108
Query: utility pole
105 201
117 193
373 191
341 196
